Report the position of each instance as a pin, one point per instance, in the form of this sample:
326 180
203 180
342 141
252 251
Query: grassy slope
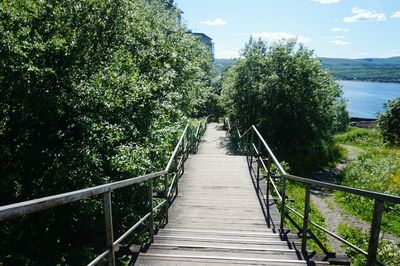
377 169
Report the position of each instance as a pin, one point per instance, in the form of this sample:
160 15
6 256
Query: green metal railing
187 144
257 151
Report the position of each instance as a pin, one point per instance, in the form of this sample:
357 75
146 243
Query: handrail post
267 190
259 158
183 158
176 175
188 142
166 196
191 132
258 173
251 148
305 219
283 207
109 227
374 235
151 218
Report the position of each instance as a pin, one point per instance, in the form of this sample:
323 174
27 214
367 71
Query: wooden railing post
109 227
283 207
305 219
151 218
374 235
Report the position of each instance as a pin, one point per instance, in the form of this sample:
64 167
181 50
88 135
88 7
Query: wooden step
178 259
192 239
221 252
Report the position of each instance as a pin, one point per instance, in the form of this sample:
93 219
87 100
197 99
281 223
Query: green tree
91 92
389 122
285 92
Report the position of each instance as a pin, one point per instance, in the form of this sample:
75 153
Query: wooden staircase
217 219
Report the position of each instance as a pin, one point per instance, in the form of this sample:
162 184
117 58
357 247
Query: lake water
366 99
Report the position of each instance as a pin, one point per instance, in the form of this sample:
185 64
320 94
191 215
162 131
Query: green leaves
389 122
284 91
91 92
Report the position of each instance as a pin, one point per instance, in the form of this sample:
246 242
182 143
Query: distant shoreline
369 80
363 122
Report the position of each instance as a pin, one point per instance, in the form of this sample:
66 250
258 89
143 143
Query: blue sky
333 28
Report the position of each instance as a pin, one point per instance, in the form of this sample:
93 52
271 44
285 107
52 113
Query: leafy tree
285 92
91 92
389 122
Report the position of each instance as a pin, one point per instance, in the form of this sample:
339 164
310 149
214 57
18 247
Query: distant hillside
368 69
223 64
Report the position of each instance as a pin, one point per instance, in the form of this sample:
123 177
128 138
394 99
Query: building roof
202 35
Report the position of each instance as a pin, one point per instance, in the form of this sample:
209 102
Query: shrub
91 92
286 93
389 122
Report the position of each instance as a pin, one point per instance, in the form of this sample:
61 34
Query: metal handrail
379 198
11 211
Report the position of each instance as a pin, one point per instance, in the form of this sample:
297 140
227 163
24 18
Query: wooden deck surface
217 218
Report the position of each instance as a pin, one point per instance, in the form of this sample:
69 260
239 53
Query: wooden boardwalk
216 218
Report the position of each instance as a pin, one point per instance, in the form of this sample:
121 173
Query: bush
389 122
286 93
91 92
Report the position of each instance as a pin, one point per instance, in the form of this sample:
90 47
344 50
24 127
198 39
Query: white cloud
393 53
215 22
361 53
340 30
396 14
364 15
335 38
327 1
339 42
280 37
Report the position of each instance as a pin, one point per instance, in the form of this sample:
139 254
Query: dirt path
334 215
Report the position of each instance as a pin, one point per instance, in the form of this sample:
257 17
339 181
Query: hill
223 64
367 69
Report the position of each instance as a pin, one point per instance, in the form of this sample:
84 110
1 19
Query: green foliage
285 92
362 137
389 122
387 251
376 169
91 92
